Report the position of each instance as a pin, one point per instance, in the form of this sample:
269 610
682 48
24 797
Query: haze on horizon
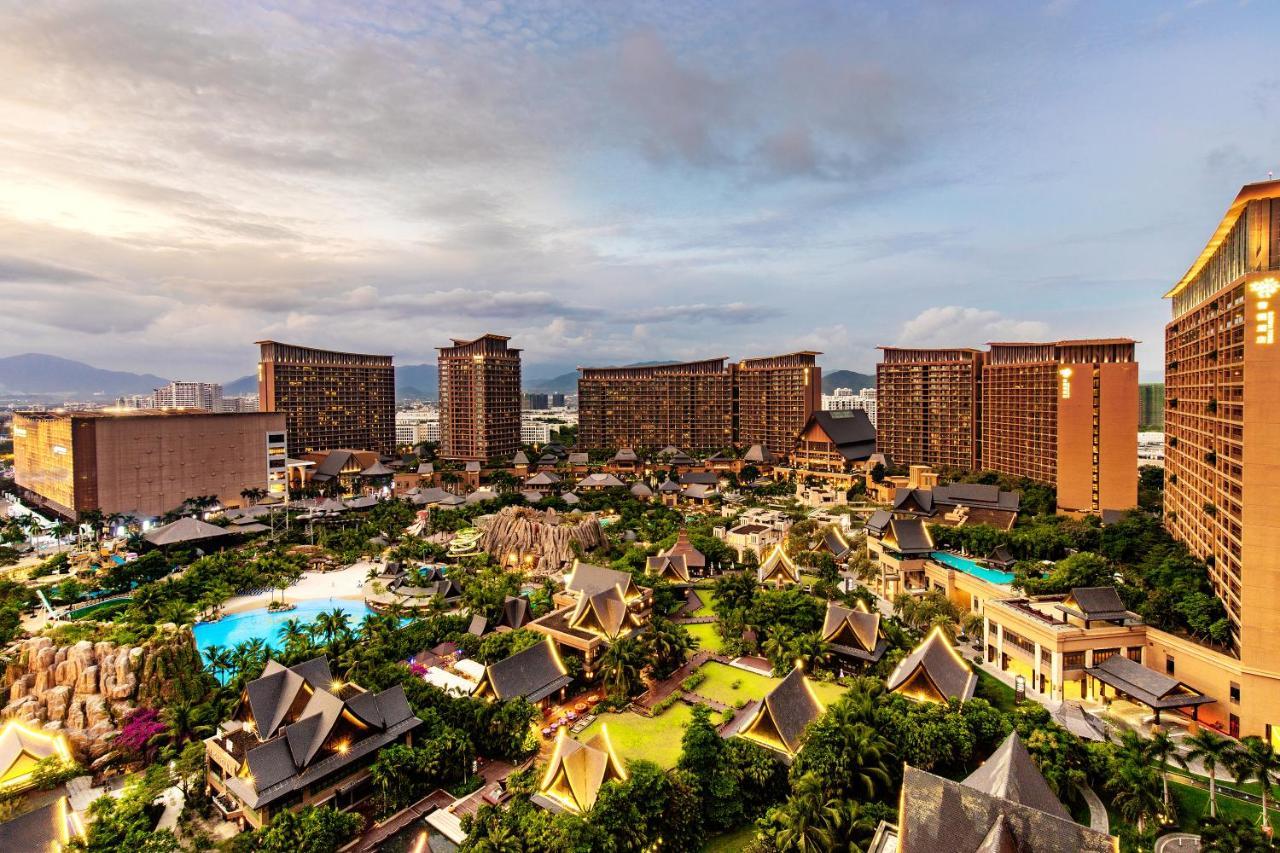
612 183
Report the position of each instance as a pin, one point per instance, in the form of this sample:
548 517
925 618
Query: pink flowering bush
139 728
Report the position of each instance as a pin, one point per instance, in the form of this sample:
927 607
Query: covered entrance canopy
1156 691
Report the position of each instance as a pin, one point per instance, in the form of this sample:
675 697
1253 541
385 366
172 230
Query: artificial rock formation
547 536
84 690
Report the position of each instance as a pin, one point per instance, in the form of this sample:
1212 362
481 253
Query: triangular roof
515 611
758 454
780 720
184 530
1095 602
778 568
683 547
851 627
849 430
1011 774
934 671
570 498
834 543
669 485
22 748
377 469
589 579
625 454
879 522
669 566
576 771
604 612
534 674
909 536
520 458
542 478
600 481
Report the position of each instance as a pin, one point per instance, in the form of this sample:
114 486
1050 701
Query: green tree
1213 752
621 666
1257 760
667 645
704 761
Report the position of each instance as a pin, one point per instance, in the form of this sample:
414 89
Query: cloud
23 271
732 313
954 326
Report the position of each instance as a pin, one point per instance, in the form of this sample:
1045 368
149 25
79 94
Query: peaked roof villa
21 749
533 674
934 672
780 720
576 772
854 633
778 568
669 566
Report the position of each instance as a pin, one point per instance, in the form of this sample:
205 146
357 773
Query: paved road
1178 842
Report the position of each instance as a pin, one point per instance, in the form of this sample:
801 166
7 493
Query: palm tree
1160 749
218 659
1256 759
809 819
1135 790
1212 751
621 665
184 722
295 634
667 644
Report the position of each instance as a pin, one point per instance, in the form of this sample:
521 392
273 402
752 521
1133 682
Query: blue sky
612 182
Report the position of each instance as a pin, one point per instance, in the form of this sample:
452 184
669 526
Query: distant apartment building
1151 406
537 401
1222 416
930 406
533 431
330 400
700 405
774 397
413 426
189 395
557 401
1065 414
846 399
145 462
479 399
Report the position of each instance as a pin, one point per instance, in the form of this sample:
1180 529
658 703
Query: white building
846 399
189 395
415 426
534 431
1151 449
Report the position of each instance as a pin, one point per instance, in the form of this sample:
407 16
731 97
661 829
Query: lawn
655 739
1193 804
721 678
995 691
731 842
706 636
708 601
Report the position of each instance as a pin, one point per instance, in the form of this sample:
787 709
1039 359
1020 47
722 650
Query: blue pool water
265 625
969 567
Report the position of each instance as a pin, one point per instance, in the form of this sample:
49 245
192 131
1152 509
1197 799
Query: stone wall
85 690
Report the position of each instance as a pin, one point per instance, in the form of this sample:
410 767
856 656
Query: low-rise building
536 675
576 772
934 672
833 445
899 549
959 504
780 721
598 607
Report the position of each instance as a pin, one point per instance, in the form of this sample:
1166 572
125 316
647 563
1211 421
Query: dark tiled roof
625 454
790 708
570 498
520 458
850 431
534 673
705 478
641 490
600 481
542 478
669 486
913 500
862 627
590 579
911 535
377 469
478 625
515 611
936 660
977 495
879 521
184 530
1011 775
1098 602
604 611
579 458
1000 554
1149 687
670 566
941 815
758 454
693 558
834 543
38 830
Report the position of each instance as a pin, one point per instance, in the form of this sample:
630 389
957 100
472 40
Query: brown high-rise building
145 462
930 403
331 400
1065 414
1222 418
774 397
686 404
479 399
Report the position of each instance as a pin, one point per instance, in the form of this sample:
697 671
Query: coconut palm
1135 788
295 635
667 645
1161 749
1257 760
1213 752
218 659
621 665
184 722
809 820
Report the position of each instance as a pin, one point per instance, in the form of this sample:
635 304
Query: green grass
995 691
103 611
731 842
706 636
719 685
708 601
655 739
1193 804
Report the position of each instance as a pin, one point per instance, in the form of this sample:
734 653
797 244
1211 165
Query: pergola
1146 686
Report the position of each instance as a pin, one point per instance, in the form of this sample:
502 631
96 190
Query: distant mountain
846 379
48 375
241 387
565 383
417 381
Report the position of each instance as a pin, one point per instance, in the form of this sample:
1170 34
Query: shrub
695 678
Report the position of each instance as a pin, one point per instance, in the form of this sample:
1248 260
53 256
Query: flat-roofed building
776 395
1222 417
146 462
929 406
329 399
1065 414
479 399
686 404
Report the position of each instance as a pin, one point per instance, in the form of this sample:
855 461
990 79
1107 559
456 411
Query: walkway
1098 819
664 688
694 698
695 620
1178 842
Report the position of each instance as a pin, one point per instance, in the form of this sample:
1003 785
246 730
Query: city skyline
615 184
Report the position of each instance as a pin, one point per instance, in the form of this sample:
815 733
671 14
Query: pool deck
345 583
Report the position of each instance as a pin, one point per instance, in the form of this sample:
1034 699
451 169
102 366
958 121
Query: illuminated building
330 399
934 672
576 772
145 462
778 569
22 748
700 405
929 403
1222 416
1065 414
479 399
598 607
781 719
536 674
853 633
300 737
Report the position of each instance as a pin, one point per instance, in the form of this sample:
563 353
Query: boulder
56 700
75 714
88 681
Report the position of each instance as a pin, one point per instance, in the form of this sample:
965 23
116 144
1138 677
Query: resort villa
597 607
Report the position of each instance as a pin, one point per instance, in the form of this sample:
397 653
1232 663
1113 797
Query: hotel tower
479 399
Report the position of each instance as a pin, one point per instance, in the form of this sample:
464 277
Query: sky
610 183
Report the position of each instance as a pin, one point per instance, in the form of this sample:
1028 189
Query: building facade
930 406
1222 416
189 395
330 400
1151 406
479 399
845 399
1065 414
774 398
146 462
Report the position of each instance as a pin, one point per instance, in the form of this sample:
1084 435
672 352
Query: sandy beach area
344 583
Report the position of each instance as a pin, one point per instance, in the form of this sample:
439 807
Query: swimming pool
969 567
229 631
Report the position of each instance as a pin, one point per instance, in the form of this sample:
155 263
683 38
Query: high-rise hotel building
331 400
700 405
479 399
930 406
1066 414
1222 418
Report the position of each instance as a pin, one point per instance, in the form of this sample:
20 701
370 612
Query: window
1168 665
275 437
1235 693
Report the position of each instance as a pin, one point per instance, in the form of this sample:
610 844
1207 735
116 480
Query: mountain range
37 374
